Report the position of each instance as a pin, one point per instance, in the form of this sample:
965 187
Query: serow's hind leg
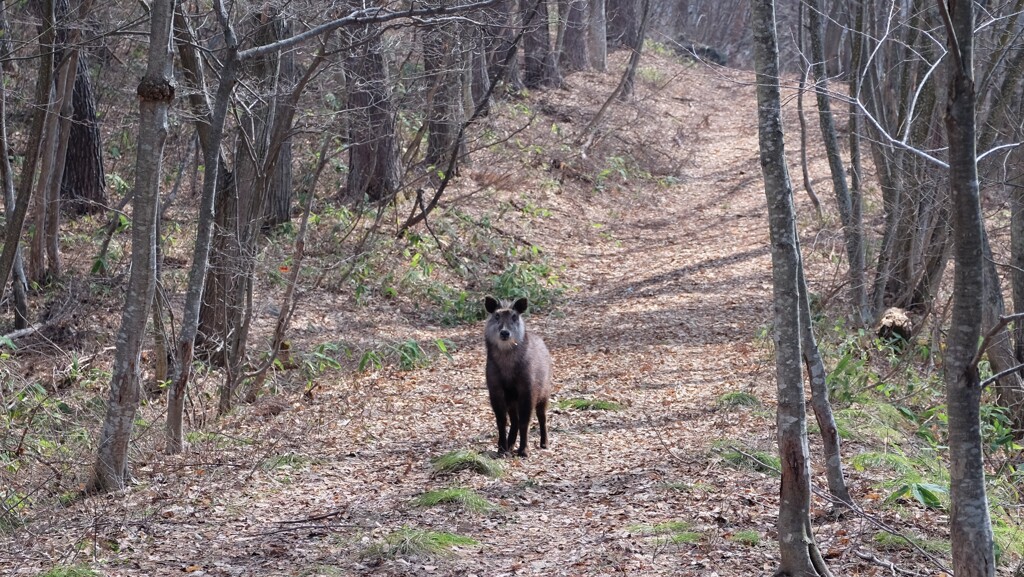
542 422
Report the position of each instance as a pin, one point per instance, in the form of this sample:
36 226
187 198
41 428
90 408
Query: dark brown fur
518 374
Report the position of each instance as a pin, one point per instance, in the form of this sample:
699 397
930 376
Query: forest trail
670 285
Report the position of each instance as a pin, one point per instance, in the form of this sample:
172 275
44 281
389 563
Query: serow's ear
491 305
520 305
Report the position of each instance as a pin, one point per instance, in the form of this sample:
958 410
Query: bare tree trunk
375 169
213 183
808 186
598 35
47 151
276 72
442 63
65 88
970 528
575 54
830 441
156 92
500 37
623 22
19 283
637 48
541 70
854 127
799 556
852 230
480 77
84 183
28 172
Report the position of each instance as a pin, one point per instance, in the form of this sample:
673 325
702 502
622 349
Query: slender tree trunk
805 169
222 211
852 230
854 127
1001 351
480 77
799 556
276 74
830 441
28 171
214 121
65 89
156 92
637 48
970 528
47 157
500 36
19 283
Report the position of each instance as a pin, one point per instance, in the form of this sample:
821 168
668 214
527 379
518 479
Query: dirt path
671 279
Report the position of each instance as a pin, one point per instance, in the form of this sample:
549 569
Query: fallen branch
884 563
22 332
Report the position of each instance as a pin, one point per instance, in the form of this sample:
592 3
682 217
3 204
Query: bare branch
374 15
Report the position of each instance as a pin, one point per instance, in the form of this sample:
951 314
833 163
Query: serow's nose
504 334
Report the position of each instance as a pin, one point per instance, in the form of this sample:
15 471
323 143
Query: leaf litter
669 275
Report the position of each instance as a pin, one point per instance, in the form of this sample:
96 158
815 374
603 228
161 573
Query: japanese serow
518 374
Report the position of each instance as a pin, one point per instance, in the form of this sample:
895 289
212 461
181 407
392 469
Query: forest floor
666 264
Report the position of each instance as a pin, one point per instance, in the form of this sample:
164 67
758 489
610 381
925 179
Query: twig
985 342
449 171
304 527
884 563
1000 375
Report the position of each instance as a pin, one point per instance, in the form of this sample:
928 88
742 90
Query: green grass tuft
888 542
661 528
746 537
894 462
683 538
70 571
290 460
588 405
465 498
409 542
467 460
760 461
738 399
